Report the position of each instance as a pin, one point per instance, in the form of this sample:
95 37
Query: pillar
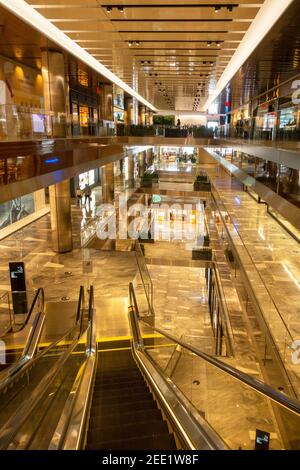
108 194
131 172
60 212
149 156
108 183
53 71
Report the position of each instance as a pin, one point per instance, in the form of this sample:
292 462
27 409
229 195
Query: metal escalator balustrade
120 400
29 387
278 339
233 404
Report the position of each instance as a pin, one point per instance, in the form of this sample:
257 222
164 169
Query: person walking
79 195
87 194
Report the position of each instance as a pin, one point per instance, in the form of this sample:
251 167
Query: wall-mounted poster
12 211
118 94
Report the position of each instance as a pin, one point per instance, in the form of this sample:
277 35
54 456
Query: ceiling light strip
24 11
265 19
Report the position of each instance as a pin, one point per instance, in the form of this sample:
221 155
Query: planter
202 186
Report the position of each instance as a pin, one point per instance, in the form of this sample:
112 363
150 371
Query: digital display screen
262 440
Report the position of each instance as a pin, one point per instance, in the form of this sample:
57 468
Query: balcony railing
21 122
196 132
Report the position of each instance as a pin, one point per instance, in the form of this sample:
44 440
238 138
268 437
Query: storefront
21 100
21 211
118 105
84 102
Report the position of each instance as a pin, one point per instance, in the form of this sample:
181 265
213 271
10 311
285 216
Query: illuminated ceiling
162 49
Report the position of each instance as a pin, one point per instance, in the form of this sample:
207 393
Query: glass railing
6 314
258 133
20 122
144 285
278 336
197 132
32 399
246 413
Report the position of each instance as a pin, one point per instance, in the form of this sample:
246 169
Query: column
108 194
53 71
60 212
149 156
141 118
129 118
108 183
131 172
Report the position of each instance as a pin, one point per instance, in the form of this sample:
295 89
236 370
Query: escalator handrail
29 357
70 430
80 303
39 295
291 404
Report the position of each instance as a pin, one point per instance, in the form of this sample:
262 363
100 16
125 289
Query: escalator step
110 400
116 419
116 384
119 408
109 378
127 431
122 392
158 442
124 372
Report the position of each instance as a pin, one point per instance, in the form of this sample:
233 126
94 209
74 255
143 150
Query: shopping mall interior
149 225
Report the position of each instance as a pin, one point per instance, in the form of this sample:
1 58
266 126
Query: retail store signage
52 160
262 440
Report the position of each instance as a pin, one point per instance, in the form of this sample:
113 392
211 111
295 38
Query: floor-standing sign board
262 440
18 287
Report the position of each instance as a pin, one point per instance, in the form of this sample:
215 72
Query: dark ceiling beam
176 5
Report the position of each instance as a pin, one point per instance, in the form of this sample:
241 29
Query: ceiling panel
175 36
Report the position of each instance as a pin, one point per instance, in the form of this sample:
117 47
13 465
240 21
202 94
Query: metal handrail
192 431
138 250
28 357
80 305
268 332
224 309
290 403
226 228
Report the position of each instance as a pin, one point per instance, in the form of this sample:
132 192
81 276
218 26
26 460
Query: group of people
85 193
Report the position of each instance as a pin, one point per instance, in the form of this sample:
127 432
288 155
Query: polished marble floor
180 300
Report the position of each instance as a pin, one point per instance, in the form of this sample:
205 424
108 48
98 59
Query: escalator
124 414
79 393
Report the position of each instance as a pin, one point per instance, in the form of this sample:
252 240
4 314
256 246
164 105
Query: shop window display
17 209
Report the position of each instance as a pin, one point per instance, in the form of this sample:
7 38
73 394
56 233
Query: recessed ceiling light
108 9
121 9
217 9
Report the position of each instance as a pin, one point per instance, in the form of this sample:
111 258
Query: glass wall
15 210
281 179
